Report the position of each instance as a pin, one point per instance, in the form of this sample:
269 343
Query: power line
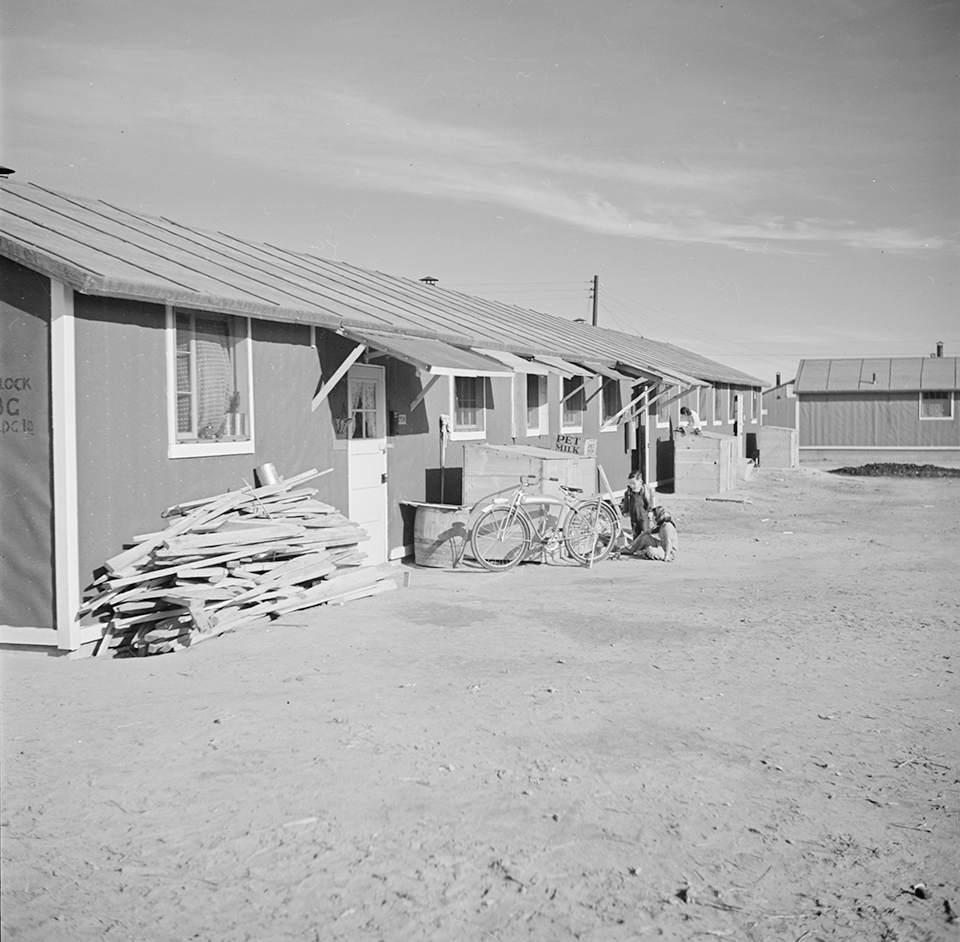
616 319
510 284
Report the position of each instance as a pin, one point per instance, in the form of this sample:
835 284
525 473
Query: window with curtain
717 403
703 402
574 402
663 410
610 403
468 404
212 389
536 404
363 408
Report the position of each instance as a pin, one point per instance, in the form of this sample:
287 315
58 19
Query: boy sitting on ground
660 543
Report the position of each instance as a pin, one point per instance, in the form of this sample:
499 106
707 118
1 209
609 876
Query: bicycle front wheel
500 539
591 532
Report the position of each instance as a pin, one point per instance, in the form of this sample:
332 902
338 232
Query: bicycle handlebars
528 480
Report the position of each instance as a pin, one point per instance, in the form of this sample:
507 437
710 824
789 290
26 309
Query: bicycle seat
571 490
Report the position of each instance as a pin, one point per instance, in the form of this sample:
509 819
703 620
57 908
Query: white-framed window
536 389
732 404
936 404
754 405
468 407
717 404
663 409
573 404
209 384
364 408
703 402
610 404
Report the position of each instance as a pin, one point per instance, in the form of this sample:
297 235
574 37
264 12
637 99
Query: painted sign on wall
18 405
26 501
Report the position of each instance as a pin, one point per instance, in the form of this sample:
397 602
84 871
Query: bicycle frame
548 531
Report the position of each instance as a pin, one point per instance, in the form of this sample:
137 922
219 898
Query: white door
367 458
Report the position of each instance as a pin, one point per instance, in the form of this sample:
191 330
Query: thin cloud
346 139
366 145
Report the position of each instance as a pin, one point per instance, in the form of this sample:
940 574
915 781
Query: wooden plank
183 594
210 573
121 623
305 572
384 585
291 497
105 642
313 507
175 570
230 626
326 521
338 584
267 490
195 541
348 361
203 557
128 558
297 569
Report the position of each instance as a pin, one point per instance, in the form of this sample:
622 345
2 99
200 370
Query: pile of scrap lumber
225 561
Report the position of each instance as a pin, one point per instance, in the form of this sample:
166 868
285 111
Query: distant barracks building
860 410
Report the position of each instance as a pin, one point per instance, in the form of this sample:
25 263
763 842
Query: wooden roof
97 248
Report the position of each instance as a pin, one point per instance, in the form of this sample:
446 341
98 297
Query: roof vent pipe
429 280
940 349
778 380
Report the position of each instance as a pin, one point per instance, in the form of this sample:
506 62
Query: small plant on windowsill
235 421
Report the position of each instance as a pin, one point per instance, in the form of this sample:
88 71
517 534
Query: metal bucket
266 474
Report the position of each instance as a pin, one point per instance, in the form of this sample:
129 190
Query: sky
755 181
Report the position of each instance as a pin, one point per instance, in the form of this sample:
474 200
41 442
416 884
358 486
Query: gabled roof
889 374
100 249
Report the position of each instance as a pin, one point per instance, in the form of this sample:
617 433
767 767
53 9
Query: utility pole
596 298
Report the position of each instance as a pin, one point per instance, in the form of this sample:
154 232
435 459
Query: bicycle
505 530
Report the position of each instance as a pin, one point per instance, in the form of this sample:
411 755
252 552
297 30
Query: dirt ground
756 742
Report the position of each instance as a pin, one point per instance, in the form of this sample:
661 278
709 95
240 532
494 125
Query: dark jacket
638 505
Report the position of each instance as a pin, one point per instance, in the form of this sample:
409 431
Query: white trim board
63 413
38 637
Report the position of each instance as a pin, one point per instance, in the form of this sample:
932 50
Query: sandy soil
757 742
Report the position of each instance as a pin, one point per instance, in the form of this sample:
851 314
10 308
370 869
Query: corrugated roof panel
673 359
98 248
939 373
905 372
893 374
812 376
123 253
875 374
844 376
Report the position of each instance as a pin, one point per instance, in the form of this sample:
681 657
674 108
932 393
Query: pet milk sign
576 445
